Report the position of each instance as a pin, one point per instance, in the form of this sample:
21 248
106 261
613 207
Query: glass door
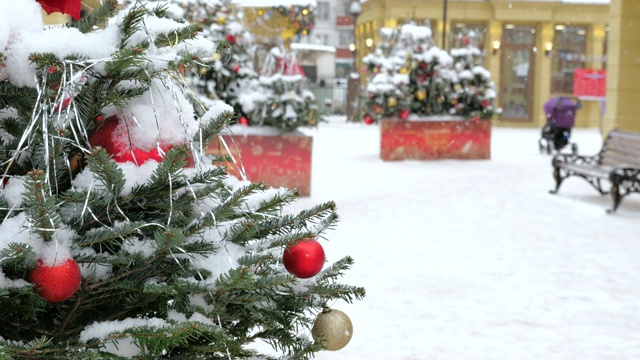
517 77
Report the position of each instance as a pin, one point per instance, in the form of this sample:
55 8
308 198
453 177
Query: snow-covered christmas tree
271 95
410 76
119 237
290 103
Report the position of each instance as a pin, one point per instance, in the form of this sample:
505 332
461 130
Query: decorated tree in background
430 72
120 237
229 75
438 82
473 91
388 78
275 95
302 17
290 104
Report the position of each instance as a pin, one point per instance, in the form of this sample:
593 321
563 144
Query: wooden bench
618 162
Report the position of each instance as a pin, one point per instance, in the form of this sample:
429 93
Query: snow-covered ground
475 259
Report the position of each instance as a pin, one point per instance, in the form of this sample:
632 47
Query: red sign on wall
589 83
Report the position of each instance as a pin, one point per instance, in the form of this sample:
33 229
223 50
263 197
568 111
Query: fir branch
131 23
216 125
174 37
107 172
41 208
226 209
19 98
114 233
120 96
96 18
170 169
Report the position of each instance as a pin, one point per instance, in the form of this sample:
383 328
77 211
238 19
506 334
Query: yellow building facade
532 47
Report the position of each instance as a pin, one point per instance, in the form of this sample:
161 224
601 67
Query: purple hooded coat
561 111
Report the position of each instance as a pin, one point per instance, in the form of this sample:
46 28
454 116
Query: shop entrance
518 72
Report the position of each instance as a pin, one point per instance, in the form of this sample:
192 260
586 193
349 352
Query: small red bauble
304 258
236 68
368 120
404 114
231 39
244 121
56 283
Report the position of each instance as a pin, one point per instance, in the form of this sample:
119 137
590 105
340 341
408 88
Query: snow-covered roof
273 3
312 47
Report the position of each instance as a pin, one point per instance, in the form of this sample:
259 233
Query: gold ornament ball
404 70
421 95
221 20
216 57
392 102
333 328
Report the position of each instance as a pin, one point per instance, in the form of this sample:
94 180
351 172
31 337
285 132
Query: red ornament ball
404 114
244 121
231 39
56 283
104 135
236 68
368 120
304 258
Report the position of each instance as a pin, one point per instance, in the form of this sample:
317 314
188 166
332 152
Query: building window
323 10
345 37
569 53
464 34
322 39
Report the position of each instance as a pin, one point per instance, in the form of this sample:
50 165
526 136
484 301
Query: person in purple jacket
560 112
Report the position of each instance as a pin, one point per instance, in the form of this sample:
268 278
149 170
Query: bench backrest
621 148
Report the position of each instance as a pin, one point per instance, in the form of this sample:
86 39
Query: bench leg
598 186
558 178
617 198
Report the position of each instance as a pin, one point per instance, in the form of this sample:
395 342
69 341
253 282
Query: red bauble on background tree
304 258
368 120
404 114
58 282
70 7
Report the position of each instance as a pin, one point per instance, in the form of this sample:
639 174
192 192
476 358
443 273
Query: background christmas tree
120 238
290 104
259 81
429 81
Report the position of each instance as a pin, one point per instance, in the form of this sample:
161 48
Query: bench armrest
574 159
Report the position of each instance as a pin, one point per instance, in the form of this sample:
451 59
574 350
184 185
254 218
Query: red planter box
428 139
276 160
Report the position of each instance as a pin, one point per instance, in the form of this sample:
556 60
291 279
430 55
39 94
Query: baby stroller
560 112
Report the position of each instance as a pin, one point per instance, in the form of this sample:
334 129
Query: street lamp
353 82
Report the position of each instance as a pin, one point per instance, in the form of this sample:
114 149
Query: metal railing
331 94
